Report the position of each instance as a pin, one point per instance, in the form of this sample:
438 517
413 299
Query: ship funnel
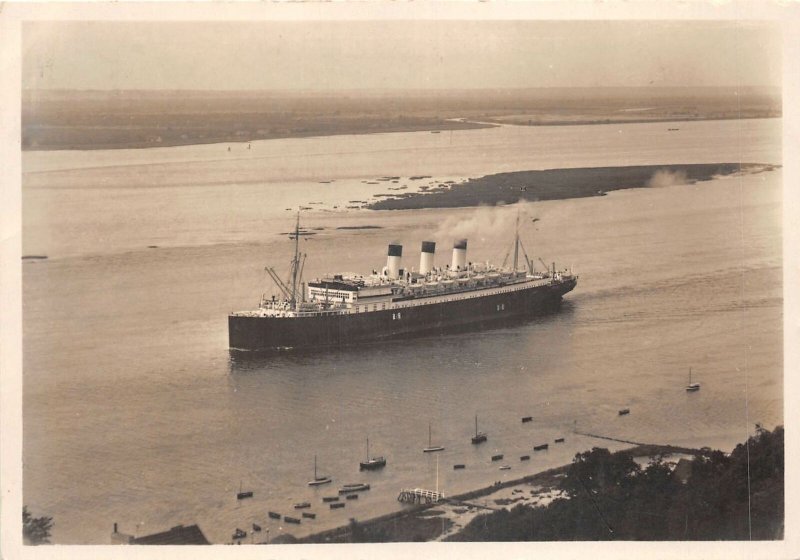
393 260
459 255
426 257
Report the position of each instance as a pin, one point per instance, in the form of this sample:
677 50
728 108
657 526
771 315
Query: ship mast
296 261
516 243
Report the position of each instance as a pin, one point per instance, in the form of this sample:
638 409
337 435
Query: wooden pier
419 496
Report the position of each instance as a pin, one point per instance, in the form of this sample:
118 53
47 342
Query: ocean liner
343 309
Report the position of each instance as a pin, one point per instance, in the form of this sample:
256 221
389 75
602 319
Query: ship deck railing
280 311
504 282
503 286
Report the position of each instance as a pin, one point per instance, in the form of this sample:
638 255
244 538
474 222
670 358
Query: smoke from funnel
667 178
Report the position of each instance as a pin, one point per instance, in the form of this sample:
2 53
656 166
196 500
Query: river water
134 411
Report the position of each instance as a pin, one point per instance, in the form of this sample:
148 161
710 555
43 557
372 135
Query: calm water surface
135 413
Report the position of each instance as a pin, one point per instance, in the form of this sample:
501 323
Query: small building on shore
176 535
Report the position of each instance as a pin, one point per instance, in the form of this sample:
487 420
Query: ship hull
253 333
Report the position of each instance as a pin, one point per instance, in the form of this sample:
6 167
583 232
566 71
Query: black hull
269 334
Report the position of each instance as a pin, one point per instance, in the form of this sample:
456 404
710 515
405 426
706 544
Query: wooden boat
352 496
505 467
527 419
273 515
458 467
497 457
318 480
309 515
239 534
337 505
302 505
350 488
256 528
372 464
330 499
624 411
431 448
559 440
525 458
692 387
241 495
288 519
541 447
479 437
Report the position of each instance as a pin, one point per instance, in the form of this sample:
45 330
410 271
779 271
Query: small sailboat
431 448
373 463
692 387
242 494
318 479
479 437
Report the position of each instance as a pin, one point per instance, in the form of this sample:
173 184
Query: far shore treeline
611 498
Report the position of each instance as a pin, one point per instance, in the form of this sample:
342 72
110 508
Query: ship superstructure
345 308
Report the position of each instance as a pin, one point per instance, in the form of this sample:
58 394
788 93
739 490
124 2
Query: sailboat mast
296 261
315 467
429 436
516 243
476 424
437 475
367 449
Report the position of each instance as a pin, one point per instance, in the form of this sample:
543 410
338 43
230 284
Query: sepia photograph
398 276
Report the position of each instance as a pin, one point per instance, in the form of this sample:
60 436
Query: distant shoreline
159 140
560 184
131 119
599 120
164 139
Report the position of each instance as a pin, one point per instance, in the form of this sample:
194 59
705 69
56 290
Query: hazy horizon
398 55
763 88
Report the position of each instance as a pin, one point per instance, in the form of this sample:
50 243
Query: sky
398 54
